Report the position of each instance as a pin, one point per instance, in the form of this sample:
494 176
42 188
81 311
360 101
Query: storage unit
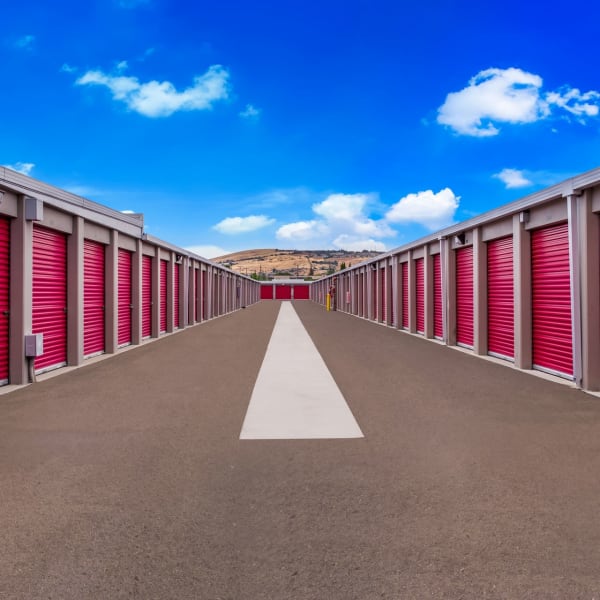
266 291
164 269
464 296
383 294
551 300
4 298
420 294
204 293
49 301
438 304
500 298
125 297
176 298
146 296
405 295
301 291
283 291
93 298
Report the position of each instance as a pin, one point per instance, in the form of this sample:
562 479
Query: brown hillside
294 263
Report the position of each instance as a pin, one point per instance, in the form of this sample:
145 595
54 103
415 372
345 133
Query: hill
294 263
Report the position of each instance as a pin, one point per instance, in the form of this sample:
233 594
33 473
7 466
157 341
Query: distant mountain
294 263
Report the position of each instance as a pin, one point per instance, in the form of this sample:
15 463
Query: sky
354 124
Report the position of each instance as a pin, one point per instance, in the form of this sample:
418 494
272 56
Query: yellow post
328 301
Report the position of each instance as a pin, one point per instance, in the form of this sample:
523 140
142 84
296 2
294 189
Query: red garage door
4 297
405 288
301 292
49 302
438 320
93 298
163 295
551 300
420 294
125 298
176 275
500 302
196 297
464 296
146 296
283 292
266 292
204 293
382 291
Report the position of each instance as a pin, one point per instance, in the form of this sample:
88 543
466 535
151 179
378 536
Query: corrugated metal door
196 276
204 295
420 294
146 296
301 292
283 291
176 274
125 298
266 292
49 302
551 299
383 292
93 298
4 297
374 295
405 289
500 301
438 320
163 295
464 296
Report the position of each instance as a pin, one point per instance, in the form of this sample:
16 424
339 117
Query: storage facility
78 279
285 289
520 283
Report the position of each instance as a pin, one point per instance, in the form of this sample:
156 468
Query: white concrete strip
295 395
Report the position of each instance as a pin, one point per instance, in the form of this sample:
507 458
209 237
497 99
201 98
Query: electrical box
34 344
34 209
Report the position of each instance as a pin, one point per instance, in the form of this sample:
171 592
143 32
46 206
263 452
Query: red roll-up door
405 289
464 296
163 295
438 320
266 292
283 292
551 299
49 302
301 292
420 294
500 301
373 295
176 320
125 298
196 276
146 296
93 298
204 295
383 293
4 297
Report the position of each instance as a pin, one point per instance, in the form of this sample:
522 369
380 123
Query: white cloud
353 244
21 167
235 225
25 42
161 99
66 68
513 178
122 65
433 211
250 112
496 96
301 231
208 251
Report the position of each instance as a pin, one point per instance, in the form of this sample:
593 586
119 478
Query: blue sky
317 124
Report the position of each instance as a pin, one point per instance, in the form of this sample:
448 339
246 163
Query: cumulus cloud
236 225
66 68
250 112
25 42
161 98
513 178
208 251
354 244
22 167
495 96
427 208
302 231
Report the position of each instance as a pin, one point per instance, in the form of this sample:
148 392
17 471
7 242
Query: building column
522 292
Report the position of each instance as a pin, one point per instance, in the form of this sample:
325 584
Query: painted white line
295 395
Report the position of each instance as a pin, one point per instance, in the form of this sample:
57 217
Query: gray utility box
34 344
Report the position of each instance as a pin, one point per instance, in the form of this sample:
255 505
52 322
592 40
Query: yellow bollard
328 301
